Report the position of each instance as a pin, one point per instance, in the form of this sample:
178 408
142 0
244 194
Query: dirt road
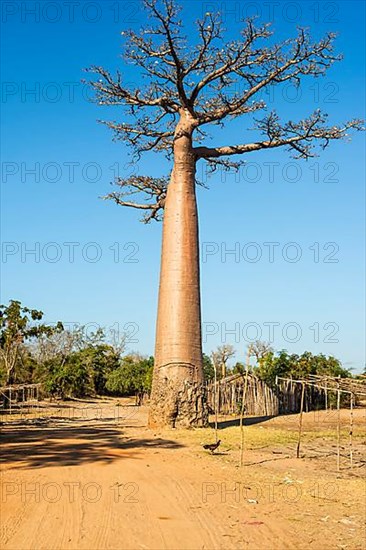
107 482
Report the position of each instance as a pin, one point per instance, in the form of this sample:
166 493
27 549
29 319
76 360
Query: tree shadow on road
25 447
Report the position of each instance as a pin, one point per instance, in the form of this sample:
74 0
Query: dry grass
276 438
270 434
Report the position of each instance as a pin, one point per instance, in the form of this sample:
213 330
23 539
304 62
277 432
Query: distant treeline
67 363
77 364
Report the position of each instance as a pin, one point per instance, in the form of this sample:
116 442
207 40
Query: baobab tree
183 89
221 356
259 349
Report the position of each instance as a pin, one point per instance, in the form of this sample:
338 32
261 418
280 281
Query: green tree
93 353
18 325
239 368
100 361
70 378
208 368
297 366
272 365
79 373
330 366
133 376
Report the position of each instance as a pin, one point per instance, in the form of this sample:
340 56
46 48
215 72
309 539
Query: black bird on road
212 446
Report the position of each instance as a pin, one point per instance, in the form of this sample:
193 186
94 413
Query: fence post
300 419
351 432
215 398
242 411
338 427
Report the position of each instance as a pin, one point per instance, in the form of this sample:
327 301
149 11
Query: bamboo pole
321 387
215 400
300 420
38 404
338 429
351 432
242 410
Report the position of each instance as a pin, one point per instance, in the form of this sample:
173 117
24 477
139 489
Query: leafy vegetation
208 368
133 375
77 364
296 366
269 364
19 324
67 363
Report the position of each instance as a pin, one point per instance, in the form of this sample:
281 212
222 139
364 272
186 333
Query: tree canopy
295 366
198 79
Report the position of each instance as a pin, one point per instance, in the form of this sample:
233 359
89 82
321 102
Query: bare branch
169 24
109 91
263 67
231 58
297 137
214 81
154 189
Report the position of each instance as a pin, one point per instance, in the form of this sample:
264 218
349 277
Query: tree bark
178 394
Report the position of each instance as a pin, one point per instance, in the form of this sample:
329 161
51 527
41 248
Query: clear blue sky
54 132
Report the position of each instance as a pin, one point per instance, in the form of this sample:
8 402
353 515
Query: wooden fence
289 396
227 396
284 398
18 397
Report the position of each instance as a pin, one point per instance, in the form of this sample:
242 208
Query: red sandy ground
97 483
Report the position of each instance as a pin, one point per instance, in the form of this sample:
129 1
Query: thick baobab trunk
178 396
